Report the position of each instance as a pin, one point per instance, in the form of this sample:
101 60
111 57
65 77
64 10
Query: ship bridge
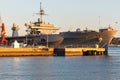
41 27
44 28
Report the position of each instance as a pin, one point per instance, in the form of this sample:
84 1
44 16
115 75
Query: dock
79 51
52 51
26 52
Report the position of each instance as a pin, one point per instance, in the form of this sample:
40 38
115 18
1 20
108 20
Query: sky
66 14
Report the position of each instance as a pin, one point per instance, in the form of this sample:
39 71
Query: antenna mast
41 13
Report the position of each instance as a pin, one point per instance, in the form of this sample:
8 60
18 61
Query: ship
38 33
88 38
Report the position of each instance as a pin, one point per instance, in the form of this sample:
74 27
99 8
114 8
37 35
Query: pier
79 51
52 51
26 52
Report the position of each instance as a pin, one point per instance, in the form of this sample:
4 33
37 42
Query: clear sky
66 14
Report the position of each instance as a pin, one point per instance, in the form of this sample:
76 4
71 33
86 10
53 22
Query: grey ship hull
88 38
51 39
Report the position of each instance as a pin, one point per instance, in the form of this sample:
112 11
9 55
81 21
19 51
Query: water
62 68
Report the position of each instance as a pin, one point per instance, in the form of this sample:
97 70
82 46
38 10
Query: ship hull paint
51 39
88 39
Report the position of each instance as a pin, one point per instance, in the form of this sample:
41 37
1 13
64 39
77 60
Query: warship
38 33
88 38
41 33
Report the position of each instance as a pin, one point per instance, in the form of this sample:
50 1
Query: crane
3 39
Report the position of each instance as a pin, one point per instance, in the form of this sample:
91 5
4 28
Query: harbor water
62 68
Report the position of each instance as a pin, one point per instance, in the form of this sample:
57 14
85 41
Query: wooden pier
52 51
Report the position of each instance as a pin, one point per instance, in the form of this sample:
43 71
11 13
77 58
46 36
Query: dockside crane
3 32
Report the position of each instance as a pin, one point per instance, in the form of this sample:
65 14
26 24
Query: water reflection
61 68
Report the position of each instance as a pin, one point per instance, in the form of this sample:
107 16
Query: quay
26 52
52 51
79 51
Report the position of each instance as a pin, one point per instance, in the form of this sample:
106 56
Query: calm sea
62 68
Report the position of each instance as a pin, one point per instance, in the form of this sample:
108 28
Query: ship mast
41 13
41 20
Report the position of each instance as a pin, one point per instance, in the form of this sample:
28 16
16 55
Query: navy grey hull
102 38
51 40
